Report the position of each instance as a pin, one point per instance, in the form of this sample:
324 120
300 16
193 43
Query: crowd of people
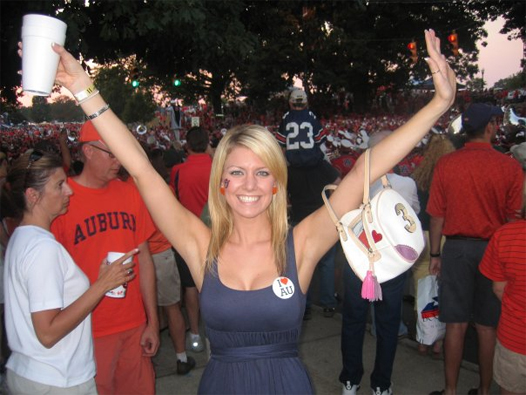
244 269
346 136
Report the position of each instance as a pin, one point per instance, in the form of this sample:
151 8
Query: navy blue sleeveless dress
254 336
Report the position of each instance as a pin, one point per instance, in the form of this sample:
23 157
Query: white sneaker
3 384
350 389
195 343
388 391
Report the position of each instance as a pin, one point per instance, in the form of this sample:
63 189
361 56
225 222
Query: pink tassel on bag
371 290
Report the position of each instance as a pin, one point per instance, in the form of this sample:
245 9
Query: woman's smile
248 199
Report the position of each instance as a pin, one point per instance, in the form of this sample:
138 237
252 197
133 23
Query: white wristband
83 95
89 97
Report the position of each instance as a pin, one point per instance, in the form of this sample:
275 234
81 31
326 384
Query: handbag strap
332 214
332 187
367 178
366 204
367 217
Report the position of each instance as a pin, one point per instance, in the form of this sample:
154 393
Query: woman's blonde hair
264 145
438 145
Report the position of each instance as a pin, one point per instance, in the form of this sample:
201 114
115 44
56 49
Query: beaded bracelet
87 93
437 255
98 113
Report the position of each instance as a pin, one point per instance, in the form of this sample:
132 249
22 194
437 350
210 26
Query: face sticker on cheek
226 181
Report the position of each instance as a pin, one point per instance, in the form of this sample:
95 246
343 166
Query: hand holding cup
113 275
70 73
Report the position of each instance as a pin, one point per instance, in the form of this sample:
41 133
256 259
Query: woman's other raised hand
444 77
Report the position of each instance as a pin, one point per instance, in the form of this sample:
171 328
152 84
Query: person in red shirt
504 263
169 297
475 190
344 163
106 214
168 280
190 181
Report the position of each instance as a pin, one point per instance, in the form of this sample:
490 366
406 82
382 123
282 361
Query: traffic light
134 77
453 40
177 82
412 47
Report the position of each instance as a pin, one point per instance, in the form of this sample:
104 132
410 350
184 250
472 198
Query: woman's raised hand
444 77
70 73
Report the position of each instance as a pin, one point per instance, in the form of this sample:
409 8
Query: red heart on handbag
376 236
284 280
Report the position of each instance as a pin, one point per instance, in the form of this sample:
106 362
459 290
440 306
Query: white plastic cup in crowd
39 61
120 291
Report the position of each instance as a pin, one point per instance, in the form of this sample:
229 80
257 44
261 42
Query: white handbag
382 238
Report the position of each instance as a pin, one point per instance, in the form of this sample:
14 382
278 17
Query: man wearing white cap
300 133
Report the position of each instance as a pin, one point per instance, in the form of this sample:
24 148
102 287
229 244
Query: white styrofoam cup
120 291
39 61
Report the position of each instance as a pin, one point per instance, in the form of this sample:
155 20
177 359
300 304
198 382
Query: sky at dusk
500 58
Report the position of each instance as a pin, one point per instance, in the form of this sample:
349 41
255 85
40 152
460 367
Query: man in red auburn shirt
106 214
475 190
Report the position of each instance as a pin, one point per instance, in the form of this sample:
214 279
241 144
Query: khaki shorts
509 369
167 275
20 385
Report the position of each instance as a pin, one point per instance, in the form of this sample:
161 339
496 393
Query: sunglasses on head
33 157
